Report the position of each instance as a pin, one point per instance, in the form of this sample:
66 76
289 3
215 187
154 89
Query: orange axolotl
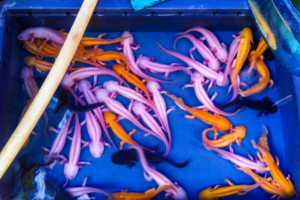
219 122
111 121
131 78
108 56
279 179
34 49
263 81
46 47
149 194
244 49
266 185
219 192
91 41
261 48
237 134
40 65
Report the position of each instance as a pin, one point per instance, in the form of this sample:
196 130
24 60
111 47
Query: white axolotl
70 79
127 45
116 107
147 64
160 179
31 89
85 87
82 192
140 110
43 33
220 50
155 90
72 165
210 60
197 81
115 88
96 145
58 143
215 77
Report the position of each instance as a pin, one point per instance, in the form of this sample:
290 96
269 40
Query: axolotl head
109 116
197 77
129 39
219 78
84 85
138 108
101 95
222 54
70 171
180 194
142 61
111 86
152 86
96 149
25 35
260 164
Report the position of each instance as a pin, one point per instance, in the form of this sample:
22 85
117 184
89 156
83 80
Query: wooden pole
42 99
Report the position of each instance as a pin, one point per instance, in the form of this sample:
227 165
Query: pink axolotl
96 145
70 79
216 77
116 107
219 49
85 87
155 90
82 192
140 110
240 161
72 165
127 45
58 143
160 179
210 60
234 47
115 88
197 81
43 33
147 64
31 89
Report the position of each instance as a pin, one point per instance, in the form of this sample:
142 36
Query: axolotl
72 165
205 52
219 192
140 110
147 64
239 160
177 194
284 183
31 89
58 143
96 144
149 194
219 122
115 106
127 45
82 192
237 134
130 157
46 33
220 50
